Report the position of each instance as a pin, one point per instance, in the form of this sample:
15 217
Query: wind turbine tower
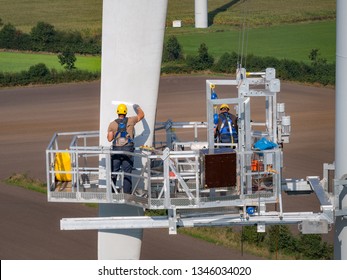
132 43
201 13
340 245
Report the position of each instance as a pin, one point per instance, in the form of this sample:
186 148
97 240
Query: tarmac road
29 225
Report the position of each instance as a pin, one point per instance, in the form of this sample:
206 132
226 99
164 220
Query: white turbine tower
132 44
201 13
340 245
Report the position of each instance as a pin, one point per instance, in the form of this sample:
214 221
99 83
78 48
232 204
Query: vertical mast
340 242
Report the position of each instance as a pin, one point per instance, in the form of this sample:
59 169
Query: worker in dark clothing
226 130
121 133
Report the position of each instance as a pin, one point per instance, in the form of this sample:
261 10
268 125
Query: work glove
136 107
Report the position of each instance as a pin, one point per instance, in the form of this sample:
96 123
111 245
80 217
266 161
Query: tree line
44 37
317 71
40 74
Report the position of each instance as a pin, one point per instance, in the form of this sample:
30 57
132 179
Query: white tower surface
201 13
132 43
340 245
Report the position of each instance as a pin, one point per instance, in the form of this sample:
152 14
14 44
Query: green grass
24 181
29 183
15 62
227 237
294 41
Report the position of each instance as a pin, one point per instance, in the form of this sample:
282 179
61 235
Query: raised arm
139 112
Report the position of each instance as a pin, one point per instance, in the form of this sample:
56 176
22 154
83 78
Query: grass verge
26 182
231 237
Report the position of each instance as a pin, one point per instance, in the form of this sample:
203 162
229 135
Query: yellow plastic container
63 163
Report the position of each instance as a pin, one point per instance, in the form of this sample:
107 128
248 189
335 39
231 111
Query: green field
82 15
293 41
16 62
255 12
279 28
285 41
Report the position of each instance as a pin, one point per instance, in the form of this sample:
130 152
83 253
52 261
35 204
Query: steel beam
268 218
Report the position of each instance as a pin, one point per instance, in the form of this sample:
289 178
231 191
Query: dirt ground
31 115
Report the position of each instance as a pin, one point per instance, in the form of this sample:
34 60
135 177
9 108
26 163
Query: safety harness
227 130
122 137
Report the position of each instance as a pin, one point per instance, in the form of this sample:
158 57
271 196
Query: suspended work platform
199 181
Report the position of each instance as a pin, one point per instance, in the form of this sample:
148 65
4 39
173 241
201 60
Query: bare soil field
31 115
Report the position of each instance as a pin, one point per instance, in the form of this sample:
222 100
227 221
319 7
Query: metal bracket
172 216
319 190
339 213
339 185
261 227
314 227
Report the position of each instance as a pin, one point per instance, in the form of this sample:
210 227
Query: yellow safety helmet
224 106
122 109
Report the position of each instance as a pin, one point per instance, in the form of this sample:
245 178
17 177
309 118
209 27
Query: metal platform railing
166 178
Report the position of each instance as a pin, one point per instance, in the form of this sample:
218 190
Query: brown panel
220 169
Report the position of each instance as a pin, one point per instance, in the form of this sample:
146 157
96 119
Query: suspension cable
243 32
